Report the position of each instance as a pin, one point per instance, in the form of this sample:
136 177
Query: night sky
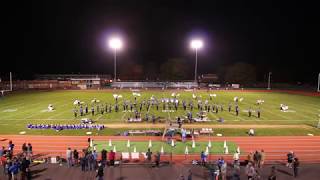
70 36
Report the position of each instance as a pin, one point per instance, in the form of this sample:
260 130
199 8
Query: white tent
128 143
207 150
186 151
172 143
226 150
193 143
162 150
209 144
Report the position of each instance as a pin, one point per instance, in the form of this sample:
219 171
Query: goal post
6 86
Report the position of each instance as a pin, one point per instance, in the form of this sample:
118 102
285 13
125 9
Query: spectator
69 157
256 175
24 148
236 157
83 163
2 151
290 157
149 154
223 171
95 158
112 156
29 149
104 157
3 163
76 157
257 159
28 174
91 161
24 166
263 157
249 158
203 158
296 165
10 147
157 159
250 171
273 174
100 173
89 140
220 162
6 167
236 173
14 169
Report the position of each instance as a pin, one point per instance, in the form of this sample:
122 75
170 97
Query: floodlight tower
269 80
115 43
318 83
196 44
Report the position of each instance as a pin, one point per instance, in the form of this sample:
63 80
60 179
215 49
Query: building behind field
62 81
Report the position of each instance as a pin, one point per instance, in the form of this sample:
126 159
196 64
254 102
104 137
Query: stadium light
196 44
115 43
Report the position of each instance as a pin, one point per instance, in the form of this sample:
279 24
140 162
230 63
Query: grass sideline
179 148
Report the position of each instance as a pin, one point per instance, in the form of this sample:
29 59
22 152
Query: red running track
307 148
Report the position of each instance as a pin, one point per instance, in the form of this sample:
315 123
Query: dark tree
175 69
242 73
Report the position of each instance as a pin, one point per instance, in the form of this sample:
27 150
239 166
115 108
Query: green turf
179 148
21 108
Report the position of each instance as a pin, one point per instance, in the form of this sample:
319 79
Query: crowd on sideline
59 127
89 160
253 164
13 165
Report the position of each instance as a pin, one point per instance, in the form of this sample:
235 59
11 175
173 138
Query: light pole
196 44
318 83
269 81
115 43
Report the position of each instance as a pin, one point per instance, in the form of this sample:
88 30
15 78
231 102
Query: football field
21 108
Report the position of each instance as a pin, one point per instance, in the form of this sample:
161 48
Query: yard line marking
28 110
10 106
